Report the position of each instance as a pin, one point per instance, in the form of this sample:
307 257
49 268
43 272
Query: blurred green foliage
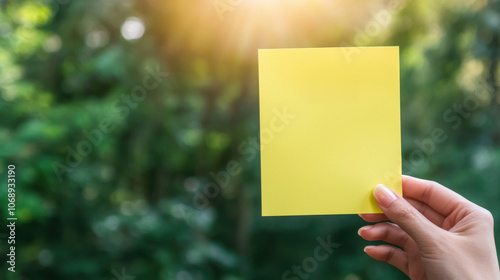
130 204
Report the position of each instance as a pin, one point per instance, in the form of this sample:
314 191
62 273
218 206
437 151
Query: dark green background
128 204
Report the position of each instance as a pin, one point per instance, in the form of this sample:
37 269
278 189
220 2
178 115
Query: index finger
438 197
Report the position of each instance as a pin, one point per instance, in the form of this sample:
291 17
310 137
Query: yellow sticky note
329 129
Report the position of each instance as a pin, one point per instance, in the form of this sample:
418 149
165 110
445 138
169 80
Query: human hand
442 234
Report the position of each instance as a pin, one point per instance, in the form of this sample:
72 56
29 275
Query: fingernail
384 196
363 228
368 248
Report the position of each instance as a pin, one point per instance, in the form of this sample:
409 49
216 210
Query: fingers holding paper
388 232
431 214
437 232
427 197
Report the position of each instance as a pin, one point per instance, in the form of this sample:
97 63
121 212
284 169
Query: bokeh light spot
133 28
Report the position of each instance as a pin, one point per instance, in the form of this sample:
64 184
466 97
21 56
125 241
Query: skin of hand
440 234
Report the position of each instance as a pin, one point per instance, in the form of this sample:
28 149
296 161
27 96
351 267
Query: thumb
399 211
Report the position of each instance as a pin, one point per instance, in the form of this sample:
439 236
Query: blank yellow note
329 129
